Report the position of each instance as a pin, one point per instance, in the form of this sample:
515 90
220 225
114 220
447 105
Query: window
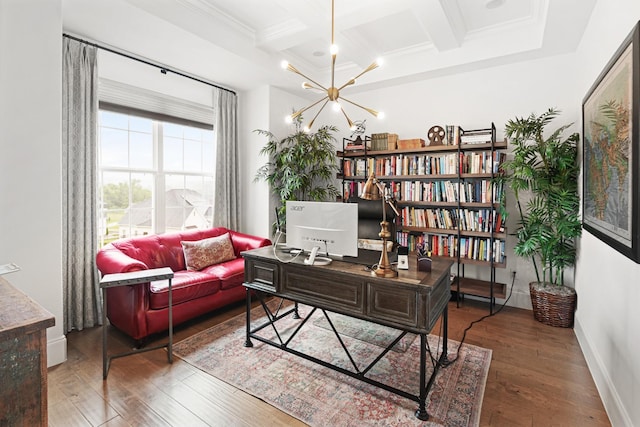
154 176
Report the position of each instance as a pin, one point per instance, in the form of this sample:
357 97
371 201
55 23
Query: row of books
477 191
483 162
448 164
475 248
402 164
355 167
352 189
482 220
424 191
435 191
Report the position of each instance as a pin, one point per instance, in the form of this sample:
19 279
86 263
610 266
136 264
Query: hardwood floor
538 377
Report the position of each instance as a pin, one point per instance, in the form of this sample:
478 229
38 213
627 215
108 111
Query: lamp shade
371 191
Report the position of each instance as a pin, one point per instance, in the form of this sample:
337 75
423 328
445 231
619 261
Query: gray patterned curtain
82 306
226 202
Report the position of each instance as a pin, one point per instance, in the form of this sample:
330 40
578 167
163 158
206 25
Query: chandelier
332 93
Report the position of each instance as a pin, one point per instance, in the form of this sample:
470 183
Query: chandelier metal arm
369 110
352 81
349 83
302 110
307 85
346 117
333 54
295 70
319 111
371 67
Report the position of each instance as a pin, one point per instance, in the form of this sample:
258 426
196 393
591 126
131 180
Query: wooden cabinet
448 199
23 358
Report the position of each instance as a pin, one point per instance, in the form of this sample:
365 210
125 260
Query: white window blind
127 99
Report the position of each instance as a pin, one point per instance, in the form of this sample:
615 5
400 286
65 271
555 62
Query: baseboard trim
618 416
56 351
518 299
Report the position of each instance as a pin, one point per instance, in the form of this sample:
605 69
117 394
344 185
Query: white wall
263 108
253 114
608 284
30 162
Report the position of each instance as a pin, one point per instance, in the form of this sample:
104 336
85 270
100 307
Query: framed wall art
611 170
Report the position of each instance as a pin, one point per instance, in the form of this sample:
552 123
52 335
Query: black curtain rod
163 69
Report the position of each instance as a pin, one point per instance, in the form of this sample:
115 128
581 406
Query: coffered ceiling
240 43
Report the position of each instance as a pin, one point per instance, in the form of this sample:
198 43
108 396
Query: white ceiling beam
442 21
305 22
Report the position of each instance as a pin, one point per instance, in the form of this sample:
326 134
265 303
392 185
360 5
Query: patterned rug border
236 327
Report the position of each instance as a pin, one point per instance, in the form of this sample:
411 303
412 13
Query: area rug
365 331
319 396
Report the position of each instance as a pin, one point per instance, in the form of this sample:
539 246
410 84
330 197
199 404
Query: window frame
157 170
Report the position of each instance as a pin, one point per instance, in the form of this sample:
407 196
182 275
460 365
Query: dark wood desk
412 302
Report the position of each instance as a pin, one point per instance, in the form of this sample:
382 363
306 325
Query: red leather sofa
141 310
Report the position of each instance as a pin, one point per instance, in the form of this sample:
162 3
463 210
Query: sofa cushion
203 253
230 273
185 286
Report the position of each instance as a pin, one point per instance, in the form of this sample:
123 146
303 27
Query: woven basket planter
553 305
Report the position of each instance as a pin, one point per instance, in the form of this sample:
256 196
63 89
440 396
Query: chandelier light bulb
333 49
380 61
288 119
380 115
306 129
336 106
284 64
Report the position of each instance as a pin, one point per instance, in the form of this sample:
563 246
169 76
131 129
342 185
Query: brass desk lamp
374 190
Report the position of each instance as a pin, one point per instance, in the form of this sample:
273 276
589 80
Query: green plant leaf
301 166
545 171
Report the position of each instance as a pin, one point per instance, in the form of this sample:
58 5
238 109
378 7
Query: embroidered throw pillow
199 254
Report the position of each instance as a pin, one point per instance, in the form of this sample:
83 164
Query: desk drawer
262 275
313 286
393 303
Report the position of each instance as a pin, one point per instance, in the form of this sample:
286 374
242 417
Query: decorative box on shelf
410 143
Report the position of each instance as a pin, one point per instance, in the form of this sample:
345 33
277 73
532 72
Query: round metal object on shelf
436 135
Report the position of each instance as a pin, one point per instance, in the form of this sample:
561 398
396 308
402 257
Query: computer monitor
332 226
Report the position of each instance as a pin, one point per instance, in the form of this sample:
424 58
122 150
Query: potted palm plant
301 166
544 177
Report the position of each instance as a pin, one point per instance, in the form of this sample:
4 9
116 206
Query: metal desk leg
170 344
421 413
296 313
105 361
445 335
247 342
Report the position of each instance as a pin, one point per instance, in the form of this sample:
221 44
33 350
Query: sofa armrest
111 260
127 305
243 242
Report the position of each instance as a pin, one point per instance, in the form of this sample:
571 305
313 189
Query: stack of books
452 135
480 136
383 141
